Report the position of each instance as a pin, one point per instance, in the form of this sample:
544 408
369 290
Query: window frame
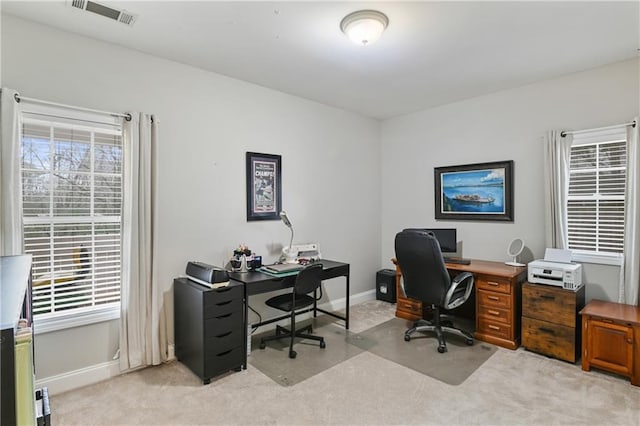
594 137
44 323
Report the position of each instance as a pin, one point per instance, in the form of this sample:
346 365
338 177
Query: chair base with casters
284 333
457 294
439 327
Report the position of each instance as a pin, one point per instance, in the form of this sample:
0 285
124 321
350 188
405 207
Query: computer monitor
446 238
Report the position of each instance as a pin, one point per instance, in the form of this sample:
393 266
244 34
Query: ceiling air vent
122 16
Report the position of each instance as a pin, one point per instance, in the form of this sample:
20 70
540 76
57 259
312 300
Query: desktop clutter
294 258
243 259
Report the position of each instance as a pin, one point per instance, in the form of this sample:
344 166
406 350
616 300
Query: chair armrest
459 291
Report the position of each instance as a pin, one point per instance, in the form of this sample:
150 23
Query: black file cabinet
210 328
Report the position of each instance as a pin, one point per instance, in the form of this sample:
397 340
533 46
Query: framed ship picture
482 191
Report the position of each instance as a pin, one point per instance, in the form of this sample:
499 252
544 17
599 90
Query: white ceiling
432 53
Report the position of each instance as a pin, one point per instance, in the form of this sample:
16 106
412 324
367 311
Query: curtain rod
577 132
19 98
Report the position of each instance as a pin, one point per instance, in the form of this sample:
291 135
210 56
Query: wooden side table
611 338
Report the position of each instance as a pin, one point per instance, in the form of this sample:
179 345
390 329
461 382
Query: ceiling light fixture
364 26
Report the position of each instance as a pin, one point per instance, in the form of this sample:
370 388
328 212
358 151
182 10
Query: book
282 267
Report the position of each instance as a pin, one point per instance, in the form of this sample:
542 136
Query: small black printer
207 273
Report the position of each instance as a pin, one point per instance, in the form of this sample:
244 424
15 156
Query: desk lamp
286 252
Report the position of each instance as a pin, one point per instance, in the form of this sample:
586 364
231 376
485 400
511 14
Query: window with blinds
596 192
72 203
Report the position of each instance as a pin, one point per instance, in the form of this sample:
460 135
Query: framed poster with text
264 186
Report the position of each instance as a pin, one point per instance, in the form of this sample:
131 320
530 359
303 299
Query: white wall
330 161
507 125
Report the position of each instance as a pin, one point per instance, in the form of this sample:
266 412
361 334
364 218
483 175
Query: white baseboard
79 378
337 304
99 372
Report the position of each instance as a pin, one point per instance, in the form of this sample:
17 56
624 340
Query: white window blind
596 192
72 199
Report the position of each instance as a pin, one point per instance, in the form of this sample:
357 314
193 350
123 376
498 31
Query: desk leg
315 302
346 325
333 314
245 326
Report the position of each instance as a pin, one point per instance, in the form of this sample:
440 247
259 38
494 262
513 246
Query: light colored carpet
511 388
421 354
385 340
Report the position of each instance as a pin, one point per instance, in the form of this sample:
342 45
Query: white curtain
10 187
143 340
630 276
557 155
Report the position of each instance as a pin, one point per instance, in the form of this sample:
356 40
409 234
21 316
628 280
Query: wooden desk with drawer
497 292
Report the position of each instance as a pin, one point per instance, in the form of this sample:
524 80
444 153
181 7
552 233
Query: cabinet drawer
493 299
610 345
495 314
550 339
494 328
223 294
219 325
409 306
222 362
224 341
222 301
549 303
501 285
222 308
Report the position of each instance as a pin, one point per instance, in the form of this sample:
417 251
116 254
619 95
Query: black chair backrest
308 279
423 270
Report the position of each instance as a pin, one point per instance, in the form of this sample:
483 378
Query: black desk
259 282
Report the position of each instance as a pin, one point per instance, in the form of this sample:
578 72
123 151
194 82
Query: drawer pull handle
224 316
629 341
224 303
494 298
224 334
494 327
547 330
224 353
546 296
495 313
495 284
408 306
608 321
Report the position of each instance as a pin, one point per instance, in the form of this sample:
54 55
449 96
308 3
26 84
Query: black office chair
425 278
307 281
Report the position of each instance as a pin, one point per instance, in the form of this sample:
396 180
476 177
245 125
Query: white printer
556 269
